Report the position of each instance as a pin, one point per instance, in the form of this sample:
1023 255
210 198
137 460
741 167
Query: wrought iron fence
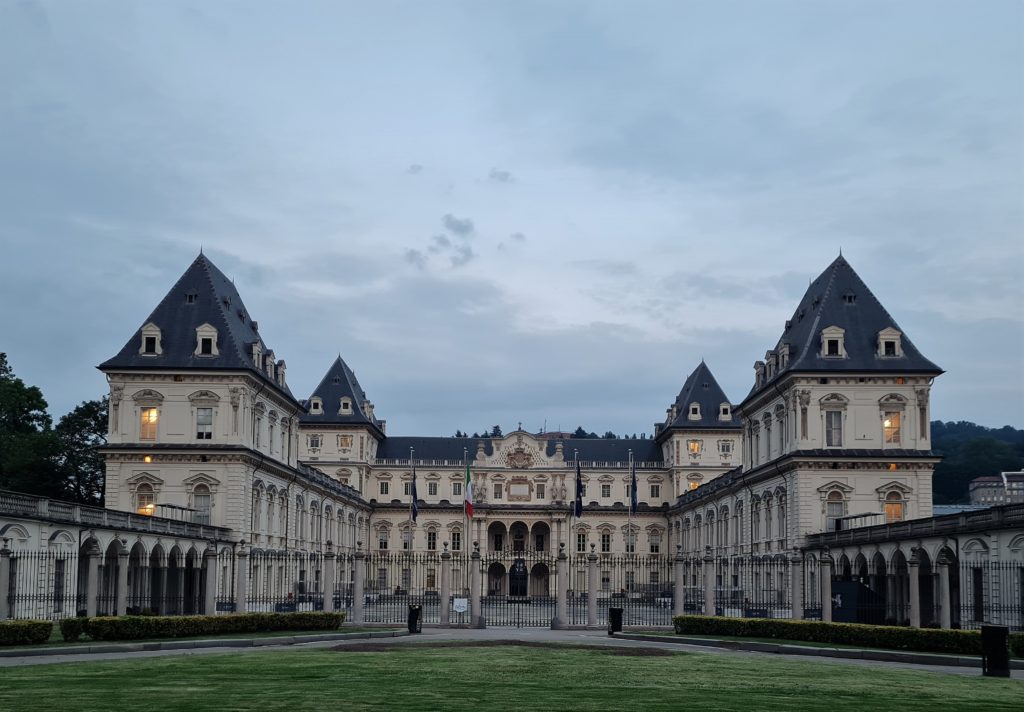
518 588
45 584
991 592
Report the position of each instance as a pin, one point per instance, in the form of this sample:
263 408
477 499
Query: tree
609 435
496 431
80 434
28 446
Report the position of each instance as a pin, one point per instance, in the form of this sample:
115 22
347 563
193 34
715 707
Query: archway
496 579
519 535
518 579
540 536
496 534
926 589
539 580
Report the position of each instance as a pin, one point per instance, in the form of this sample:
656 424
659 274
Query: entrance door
518 578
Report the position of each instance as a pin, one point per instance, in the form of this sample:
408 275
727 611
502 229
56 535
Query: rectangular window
606 491
832 347
725 447
150 417
344 442
606 580
456 489
431 541
201 503
456 541
540 490
149 346
407 488
206 346
497 491
631 543
382 540
314 442
406 540
893 512
655 491
581 541
606 542
384 487
693 446
432 489
655 545
891 425
431 578
204 423
834 428
259 430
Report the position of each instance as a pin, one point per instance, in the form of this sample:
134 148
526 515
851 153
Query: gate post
945 615
592 588
92 578
914 569
210 567
796 579
825 578
476 618
330 577
121 595
679 591
358 574
242 579
446 586
561 590
5 582
709 582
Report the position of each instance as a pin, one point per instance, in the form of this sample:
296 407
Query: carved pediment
147 396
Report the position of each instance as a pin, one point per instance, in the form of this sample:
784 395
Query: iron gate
518 588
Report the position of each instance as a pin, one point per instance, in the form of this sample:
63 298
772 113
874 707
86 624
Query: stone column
330 577
679 592
476 619
914 569
210 570
892 608
561 589
709 582
592 584
242 579
92 580
944 598
121 593
358 574
446 586
825 577
5 582
142 588
796 578
179 585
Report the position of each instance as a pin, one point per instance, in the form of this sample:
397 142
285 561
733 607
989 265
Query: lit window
204 423
834 428
694 446
694 484
893 507
606 491
145 500
891 424
432 489
150 418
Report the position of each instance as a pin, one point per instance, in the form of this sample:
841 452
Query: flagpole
412 497
465 524
629 519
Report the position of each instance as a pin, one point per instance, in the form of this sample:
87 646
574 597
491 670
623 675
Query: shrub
71 629
966 642
25 632
142 627
1017 644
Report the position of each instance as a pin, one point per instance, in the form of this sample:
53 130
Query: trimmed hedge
71 629
925 640
25 632
143 627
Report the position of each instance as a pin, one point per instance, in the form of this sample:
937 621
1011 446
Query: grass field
476 678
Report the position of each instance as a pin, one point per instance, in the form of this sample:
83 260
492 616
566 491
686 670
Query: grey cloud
518 237
499 176
463 227
416 258
463 255
414 169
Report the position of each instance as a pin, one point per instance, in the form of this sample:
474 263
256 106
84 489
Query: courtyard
510 669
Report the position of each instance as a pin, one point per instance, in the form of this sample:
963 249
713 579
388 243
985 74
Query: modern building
1006 488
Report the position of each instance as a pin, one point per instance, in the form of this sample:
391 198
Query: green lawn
476 678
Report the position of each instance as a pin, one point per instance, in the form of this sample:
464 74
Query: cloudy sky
543 212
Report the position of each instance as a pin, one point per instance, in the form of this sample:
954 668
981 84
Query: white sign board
460 605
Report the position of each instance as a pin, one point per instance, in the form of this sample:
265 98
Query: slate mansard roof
340 382
202 295
452 449
839 297
701 387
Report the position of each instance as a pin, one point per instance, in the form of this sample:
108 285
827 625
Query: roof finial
840 250
200 249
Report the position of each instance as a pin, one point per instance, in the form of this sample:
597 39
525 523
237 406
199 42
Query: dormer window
206 341
346 406
694 411
191 297
832 345
725 412
889 343
316 406
150 344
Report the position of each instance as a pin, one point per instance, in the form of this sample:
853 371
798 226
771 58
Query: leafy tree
80 434
609 435
970 450
28 446
496 431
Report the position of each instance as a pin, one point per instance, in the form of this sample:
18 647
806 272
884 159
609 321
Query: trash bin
415 619
995 650
614 620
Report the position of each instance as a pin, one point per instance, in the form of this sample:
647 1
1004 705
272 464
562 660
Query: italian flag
468 493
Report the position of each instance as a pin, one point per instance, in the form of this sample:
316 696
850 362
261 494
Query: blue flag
632 487
578 506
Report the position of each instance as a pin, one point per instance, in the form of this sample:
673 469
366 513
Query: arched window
835 507
894 507
145 500
202 503
257 511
